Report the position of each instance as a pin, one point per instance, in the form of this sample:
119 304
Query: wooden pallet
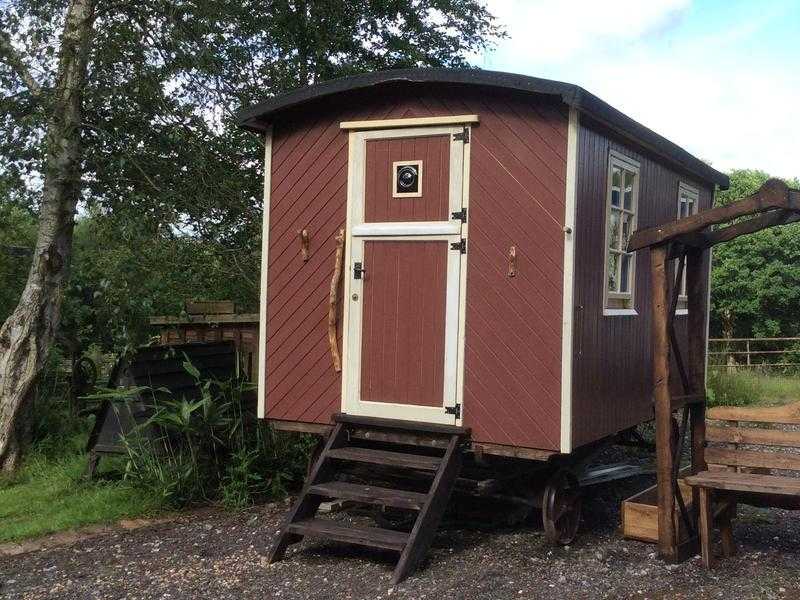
341 450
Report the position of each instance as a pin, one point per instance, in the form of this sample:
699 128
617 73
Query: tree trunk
26 336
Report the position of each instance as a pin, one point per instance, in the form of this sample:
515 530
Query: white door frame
358 232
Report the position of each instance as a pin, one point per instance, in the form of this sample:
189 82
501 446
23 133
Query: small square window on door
407 179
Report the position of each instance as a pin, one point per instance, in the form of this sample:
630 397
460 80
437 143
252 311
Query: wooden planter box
640 515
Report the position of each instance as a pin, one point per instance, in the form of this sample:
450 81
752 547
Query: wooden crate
640 515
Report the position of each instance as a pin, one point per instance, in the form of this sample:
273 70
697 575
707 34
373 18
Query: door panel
428 201
403 353
403 322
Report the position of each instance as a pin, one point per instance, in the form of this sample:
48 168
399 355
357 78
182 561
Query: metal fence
767 354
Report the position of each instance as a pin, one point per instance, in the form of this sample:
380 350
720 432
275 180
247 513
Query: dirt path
223 556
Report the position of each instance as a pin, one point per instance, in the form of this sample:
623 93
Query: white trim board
568 307
410 122
358 232
262 309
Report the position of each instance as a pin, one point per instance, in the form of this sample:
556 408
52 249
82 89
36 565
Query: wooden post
696 282
667 543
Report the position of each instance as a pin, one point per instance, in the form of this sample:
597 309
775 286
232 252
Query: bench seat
746 482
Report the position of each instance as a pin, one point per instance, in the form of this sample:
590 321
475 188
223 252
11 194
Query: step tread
387 458
415 426
363 536
370 493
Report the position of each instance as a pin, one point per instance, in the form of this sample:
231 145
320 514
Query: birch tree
26 336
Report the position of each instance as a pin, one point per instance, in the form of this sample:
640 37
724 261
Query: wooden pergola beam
707 239
774 195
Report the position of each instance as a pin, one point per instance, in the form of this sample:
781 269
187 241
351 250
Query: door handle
358 270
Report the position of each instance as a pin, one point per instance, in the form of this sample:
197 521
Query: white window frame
693 193
410 163
620 303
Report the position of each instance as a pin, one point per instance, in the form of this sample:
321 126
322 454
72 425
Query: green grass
48 495
752 389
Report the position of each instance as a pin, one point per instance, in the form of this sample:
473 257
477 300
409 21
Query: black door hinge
453 410
461 215
463 136
460 245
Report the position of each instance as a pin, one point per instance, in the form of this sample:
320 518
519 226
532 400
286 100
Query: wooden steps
363 536
387 458
370 494
398 449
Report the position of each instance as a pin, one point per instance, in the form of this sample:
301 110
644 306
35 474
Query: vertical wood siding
402 344
381 206
612 377
517 192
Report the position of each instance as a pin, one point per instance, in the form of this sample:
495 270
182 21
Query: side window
688 199
621 205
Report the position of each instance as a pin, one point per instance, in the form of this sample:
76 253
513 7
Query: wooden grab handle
333 302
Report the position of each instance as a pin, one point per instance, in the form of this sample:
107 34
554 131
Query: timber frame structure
688 241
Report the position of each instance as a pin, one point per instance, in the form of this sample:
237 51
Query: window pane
682 206
613 230
613 276
625 273
629 182
626 229
616 184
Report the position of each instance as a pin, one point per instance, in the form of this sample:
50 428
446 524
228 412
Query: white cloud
550 31
714 93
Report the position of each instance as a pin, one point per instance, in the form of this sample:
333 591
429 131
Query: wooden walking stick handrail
333 302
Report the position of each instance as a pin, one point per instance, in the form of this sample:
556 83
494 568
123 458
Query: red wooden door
403 311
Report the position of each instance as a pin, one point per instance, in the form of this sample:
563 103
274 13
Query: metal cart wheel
561 508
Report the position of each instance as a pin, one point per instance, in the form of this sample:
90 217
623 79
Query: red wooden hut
486 285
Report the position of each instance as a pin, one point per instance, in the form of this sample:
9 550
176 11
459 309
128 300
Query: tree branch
14 60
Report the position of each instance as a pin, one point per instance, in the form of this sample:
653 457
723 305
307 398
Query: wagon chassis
548 482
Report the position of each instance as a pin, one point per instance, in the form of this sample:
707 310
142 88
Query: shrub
212 448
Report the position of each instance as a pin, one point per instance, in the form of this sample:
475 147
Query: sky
719 78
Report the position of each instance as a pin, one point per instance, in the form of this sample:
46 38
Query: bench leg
726 527
705 523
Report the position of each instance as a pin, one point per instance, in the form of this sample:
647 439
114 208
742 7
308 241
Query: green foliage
17 236
48 495
212 449
747 388
171 204
756 278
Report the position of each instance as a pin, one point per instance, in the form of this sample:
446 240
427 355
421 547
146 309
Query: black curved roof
258 117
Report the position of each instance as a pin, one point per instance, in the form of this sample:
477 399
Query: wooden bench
750 453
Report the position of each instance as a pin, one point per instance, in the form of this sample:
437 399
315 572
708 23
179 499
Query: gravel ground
222 555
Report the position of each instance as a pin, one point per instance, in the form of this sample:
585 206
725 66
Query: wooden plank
705 523
298 427
398 437
667 539
744 435
363 536
417 427
750 458
427 522
387 458
306 505
410 122
788 414
773 194
215 307
747 482
370 494
513 451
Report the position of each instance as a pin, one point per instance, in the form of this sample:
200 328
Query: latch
460 245
460 215
358 270
453 410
